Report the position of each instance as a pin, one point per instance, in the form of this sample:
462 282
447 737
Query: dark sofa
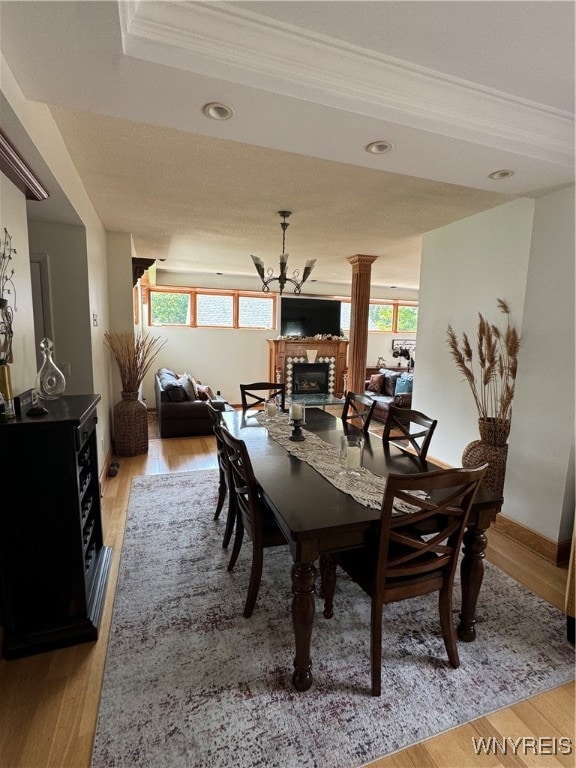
181 404
389 386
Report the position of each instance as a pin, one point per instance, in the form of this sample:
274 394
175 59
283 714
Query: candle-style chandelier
267 275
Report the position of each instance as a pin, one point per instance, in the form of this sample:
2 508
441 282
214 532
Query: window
214 310
407 319
392 317
205 308
380 317
169 308
345 315
255 312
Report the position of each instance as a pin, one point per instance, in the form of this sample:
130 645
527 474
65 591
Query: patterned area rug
190 683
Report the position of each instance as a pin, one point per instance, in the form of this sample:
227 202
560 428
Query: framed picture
404 344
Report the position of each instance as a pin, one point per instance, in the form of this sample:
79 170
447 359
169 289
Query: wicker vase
130 426
493 448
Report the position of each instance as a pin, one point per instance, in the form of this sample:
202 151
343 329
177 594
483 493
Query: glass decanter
50 381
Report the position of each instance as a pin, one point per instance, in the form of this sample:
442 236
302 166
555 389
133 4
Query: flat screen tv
309 317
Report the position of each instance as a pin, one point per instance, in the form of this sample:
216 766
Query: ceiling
461 89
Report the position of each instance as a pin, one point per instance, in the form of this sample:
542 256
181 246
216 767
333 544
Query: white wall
37 126
120 292
119 254
65 246
466 266
542 497
222 358
245 351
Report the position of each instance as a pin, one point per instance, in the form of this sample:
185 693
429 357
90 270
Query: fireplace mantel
280 349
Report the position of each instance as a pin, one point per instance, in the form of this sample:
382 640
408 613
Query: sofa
181 404
389 386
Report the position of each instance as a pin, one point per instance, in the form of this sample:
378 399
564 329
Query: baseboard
104 471
554 552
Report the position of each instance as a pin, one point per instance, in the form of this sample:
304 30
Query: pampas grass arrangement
492 376
134 353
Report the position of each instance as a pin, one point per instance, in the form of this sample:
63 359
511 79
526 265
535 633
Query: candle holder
297 417
297 436
351 449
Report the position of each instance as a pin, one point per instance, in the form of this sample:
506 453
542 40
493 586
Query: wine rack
53 562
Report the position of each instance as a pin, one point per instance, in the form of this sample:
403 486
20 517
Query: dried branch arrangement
492 376
134 354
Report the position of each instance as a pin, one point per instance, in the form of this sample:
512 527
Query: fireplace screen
310 378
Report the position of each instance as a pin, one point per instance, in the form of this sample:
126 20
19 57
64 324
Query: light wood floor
49 702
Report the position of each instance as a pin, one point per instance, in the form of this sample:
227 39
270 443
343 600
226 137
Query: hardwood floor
49 702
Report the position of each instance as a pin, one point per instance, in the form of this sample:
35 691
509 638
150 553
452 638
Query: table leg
303 578
472 573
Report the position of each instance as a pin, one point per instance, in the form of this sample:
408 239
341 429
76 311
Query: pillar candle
297 412
353 457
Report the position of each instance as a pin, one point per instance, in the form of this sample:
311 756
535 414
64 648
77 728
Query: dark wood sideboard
53 564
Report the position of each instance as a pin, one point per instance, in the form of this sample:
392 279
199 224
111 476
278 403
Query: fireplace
284 354
310 378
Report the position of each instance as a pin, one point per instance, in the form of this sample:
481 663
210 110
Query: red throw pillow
375 383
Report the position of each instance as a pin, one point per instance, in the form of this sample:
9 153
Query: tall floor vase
493 448
130 426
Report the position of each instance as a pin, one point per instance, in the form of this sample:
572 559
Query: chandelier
267 275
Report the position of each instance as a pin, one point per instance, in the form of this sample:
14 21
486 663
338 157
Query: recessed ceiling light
505 173
217 111
379 147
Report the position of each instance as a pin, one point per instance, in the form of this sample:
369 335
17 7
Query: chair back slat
252 397
408 429
216 417
244 484
358 410
426 537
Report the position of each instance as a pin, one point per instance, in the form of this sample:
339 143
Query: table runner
364 486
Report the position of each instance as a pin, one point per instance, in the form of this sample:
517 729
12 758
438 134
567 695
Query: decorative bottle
50 381
6 395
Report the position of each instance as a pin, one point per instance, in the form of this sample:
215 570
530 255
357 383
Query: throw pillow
197 384
205 392
375 383
166 372
390 379
175 393
189 387
404 384
171 385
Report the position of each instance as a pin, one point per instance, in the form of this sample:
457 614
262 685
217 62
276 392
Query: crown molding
222 41
13 166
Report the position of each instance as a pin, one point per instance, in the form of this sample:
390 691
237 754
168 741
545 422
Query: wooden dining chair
253 516
251 394
224 476
409 430
358 410
414 552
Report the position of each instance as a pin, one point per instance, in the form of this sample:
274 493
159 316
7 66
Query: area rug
190 683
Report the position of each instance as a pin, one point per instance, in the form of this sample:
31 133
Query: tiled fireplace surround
283 353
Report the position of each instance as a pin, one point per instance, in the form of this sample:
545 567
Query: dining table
316 517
